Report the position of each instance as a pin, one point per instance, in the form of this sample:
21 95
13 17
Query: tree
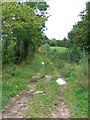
65 42
78 36
22 28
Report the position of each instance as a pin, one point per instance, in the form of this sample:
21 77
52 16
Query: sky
64 14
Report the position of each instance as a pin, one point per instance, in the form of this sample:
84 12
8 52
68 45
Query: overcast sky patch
64 14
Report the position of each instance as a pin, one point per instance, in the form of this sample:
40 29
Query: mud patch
18 105
47 78
62 111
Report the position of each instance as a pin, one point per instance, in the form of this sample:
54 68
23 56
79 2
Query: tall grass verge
15 78
76 75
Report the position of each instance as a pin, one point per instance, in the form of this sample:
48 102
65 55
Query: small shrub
74 55
45 48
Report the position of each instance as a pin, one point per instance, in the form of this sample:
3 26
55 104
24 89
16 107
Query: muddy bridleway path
17 107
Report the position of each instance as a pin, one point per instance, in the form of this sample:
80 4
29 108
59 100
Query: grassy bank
17 77
76 94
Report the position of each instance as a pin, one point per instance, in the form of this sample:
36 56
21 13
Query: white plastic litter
38 92
60 81
13 18
42 63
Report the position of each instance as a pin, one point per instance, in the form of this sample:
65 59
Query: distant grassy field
60 49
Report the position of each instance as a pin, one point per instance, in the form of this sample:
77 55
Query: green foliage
39 6
78 36
77 101
69 66
45 48
76 76
22 35
46 102
8 52
16 78
59 43
58 52
22 30
74 55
